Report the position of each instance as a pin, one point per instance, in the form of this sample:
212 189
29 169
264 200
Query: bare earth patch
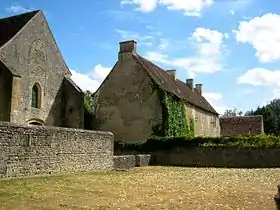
145 188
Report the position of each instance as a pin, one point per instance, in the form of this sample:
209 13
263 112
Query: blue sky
232 47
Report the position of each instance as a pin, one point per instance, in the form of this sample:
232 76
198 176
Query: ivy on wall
174 118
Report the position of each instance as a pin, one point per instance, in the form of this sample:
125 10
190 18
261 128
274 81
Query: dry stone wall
31 150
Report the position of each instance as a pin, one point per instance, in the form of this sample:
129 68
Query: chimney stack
172 72
190 83
128 46
198 87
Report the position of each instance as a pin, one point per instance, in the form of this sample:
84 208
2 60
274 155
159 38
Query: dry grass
145 188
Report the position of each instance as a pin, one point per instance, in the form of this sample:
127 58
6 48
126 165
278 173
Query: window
214 122
36 96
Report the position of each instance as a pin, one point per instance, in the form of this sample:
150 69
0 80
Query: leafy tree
89 110
232 113
271 116
88 102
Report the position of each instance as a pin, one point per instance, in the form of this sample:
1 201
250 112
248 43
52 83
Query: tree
89 110
271 116
232 113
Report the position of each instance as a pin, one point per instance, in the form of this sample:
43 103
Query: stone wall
242 125
206 123
127 104
5 93
219 157
33 55
31 150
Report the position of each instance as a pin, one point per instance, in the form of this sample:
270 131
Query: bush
166 143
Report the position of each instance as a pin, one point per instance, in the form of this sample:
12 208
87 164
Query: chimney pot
128 46
198 87
190 83
172 72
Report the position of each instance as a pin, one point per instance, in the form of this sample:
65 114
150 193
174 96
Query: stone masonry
30 58
30 150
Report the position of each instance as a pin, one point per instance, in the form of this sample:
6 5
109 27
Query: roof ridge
174 86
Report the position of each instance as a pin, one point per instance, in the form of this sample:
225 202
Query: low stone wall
123 162
31 150
142 160
219 157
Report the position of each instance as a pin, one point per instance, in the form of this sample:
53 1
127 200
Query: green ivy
174 118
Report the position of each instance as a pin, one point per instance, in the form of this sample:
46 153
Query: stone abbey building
35 84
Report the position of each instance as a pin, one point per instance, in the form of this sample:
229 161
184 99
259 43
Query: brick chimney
198 87
172 72
190 83
127 48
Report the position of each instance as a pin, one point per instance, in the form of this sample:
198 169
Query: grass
145 188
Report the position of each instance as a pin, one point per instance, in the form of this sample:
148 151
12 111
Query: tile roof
10 26
241 125
175 86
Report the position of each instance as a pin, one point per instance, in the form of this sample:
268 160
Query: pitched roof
175 86
10 26
241 125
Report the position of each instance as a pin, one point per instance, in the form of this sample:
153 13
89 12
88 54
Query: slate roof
241 125
175 86
10 26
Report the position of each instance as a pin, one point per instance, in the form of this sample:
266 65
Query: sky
232 47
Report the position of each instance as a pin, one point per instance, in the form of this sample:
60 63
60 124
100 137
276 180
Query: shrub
166 143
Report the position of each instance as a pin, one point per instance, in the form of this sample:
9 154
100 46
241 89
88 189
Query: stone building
35 84
127 105
242 125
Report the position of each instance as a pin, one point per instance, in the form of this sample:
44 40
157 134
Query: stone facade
37 88
206 124
242 125
128 105
30 150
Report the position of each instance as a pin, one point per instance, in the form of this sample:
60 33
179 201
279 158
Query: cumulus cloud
188 7
18 9
263 34
208 45
214 99
263 77
260 76
90 81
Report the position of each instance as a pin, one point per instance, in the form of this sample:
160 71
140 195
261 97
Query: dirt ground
145 188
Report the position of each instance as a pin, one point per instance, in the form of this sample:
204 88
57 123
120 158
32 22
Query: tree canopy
271 116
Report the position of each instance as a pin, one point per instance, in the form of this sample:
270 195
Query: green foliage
271 116
88 102
232 113
167 143
174 122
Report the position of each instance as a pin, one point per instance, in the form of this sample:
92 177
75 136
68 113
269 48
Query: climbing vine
174 119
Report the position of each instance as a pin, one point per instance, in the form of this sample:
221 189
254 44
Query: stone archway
36 122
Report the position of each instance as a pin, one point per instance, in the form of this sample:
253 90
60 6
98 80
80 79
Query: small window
36 93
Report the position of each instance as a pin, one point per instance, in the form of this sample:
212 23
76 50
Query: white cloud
263 77
260 76
263 34
214 100
189 7
18 9
92 80
209 46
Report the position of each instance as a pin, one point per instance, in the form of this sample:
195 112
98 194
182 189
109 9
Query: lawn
145 188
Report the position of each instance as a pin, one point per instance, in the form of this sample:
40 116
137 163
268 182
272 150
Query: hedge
165 143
